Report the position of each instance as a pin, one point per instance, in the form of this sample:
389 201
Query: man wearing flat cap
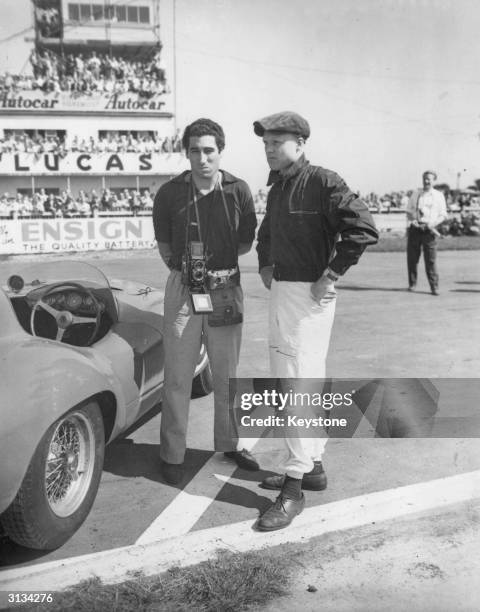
314 229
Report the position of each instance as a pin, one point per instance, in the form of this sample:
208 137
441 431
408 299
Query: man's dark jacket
313 221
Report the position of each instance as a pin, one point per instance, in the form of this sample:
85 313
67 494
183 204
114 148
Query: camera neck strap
194 200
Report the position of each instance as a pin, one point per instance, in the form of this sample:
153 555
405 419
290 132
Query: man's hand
323 289
433 229
244 247
267 274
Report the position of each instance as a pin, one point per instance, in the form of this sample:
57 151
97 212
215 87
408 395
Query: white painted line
116 565
189 505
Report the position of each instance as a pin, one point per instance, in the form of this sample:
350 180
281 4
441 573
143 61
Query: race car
81 361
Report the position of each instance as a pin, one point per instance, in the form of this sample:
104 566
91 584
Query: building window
98 13
121 13
132 14
144 14
85 12
74 12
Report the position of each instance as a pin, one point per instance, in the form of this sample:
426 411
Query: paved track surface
380 330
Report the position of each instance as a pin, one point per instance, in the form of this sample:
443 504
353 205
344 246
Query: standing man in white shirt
425 211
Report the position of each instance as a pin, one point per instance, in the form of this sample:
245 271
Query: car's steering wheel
64 318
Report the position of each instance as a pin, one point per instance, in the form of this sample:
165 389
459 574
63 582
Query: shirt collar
288 172
186 177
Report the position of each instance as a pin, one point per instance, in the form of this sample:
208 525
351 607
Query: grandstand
94 108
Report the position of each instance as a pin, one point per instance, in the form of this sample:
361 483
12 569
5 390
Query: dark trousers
415 241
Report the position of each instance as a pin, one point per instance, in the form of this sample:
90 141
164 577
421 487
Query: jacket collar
289 172
186 177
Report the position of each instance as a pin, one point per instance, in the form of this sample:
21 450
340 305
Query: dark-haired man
300 258
211 211
425 210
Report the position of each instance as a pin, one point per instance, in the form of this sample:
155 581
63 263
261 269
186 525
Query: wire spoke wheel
70 463
61 481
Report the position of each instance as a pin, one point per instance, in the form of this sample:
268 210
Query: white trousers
299 335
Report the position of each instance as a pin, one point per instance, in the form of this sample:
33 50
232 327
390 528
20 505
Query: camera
194 267
220 279
194 276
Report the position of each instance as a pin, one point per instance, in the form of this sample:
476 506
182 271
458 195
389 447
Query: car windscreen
33 274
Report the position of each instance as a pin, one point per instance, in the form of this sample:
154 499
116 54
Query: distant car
81 361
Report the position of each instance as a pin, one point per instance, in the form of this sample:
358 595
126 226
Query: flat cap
286 121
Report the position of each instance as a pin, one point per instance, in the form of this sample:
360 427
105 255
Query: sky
390 87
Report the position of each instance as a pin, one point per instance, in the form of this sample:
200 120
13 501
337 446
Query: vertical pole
175 65
62 47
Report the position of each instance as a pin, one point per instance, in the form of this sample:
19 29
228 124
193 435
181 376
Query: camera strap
225 207
194 200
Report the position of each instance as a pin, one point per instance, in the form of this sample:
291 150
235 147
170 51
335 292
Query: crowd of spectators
126 143
133 202
395 200
463 218
43 204
25 143
48 21
465 223
457 200
390 202
260 201
87 73
107 143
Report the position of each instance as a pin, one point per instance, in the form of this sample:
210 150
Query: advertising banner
117 103
22 164
69 235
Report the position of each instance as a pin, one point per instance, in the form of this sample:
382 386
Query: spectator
37 206
4 207
92 72
135 203
25 206
106 201
94 202
83 205
463 201
66 205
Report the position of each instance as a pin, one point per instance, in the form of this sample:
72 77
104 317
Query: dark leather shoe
281 513
173 473
310 482
244 459
435 292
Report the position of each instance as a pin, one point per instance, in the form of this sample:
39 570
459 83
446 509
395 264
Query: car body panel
58 379
42 379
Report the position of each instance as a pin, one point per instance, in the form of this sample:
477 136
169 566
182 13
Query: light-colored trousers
299 335
183 332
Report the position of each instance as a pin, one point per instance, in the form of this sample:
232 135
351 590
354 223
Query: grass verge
229 583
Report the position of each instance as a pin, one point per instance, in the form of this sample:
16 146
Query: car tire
61 482
202 383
